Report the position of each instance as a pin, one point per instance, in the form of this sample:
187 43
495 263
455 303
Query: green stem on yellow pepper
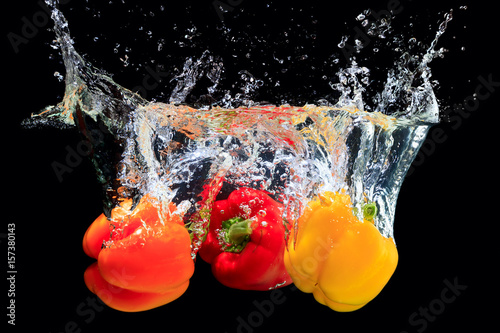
369 211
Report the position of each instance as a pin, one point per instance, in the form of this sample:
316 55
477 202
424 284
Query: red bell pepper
245 243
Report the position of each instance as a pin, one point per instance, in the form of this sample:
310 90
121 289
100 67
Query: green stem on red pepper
236 233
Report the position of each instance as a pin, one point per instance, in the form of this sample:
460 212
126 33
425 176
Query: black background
446 221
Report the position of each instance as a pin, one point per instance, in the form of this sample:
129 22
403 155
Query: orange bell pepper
143 256
343 261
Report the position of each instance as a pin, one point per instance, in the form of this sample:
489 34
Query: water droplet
161 43
344 39
59 77
262 213
125 61
54 44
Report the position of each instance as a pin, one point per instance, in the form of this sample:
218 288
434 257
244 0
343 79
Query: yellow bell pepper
343 261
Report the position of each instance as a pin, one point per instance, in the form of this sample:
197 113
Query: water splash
186 155
207 65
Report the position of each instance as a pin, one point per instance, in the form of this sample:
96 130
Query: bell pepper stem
369 211
237 232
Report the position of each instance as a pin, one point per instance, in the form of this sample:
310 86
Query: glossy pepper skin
143 256
343 261
246 241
